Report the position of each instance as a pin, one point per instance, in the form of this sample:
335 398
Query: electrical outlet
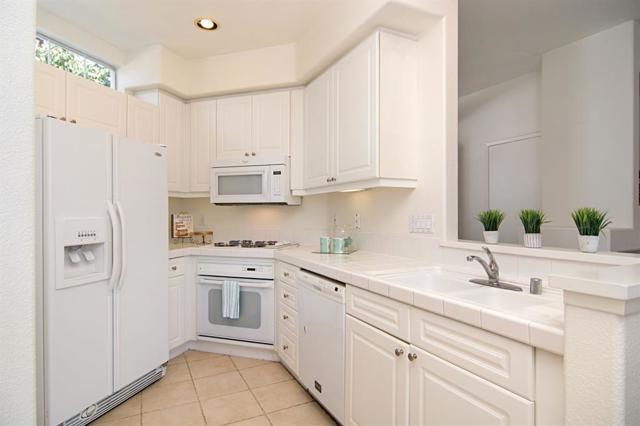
421 224
357 221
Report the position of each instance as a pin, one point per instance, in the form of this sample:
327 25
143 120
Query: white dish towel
230 299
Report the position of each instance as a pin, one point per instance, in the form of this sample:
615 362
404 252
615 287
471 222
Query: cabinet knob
63 118
285 347
285 295
333 179
284 317
286 274
73 121
399 351
328 180
412 357
246 154
253 153
174 268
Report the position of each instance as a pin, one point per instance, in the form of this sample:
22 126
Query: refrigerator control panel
86 230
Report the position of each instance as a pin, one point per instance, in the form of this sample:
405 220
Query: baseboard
226 347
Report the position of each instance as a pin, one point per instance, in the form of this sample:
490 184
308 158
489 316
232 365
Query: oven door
245 184
256 320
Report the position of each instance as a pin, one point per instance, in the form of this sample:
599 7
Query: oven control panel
236 267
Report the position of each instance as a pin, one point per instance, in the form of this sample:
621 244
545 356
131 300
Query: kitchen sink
433 279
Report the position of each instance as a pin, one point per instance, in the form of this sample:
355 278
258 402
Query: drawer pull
399 351
285 347
412 357
284 317
285 295
174 268
286 274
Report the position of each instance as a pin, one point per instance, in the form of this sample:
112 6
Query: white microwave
258 182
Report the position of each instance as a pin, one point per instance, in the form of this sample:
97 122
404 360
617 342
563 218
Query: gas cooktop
251 244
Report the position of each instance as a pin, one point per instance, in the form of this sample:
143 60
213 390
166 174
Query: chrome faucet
492 270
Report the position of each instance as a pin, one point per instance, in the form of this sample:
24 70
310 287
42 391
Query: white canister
588 243
491 237
533 240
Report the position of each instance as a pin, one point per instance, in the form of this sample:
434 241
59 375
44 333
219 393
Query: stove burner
246 243
233 243
272 243
221 244
260 244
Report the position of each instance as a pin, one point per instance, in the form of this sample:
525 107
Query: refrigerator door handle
116 262
123 245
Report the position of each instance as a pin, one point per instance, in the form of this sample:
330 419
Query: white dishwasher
322 324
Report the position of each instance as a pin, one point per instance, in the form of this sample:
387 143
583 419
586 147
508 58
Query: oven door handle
243 284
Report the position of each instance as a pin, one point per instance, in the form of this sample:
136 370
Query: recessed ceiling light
206 24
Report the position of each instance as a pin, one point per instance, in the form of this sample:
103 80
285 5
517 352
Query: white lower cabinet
392 382
445 395
377 377
177 302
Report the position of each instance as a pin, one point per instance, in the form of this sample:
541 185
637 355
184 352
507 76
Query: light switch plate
421 224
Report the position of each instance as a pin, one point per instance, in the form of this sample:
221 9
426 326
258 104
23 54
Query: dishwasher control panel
322 285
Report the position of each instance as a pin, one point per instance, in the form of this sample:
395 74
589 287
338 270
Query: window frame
85 55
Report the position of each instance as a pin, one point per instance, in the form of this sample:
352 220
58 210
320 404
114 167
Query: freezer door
74 182
141 306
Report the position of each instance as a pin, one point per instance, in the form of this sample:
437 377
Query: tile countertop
540 325
187 249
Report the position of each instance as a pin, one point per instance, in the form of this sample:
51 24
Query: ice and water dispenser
82 251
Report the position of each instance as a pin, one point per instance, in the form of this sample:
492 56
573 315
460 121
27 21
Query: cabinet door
176 311
142 120
270 121
445 395
317 147
93 105
377 379
356 125
233 127
173 135
202 144
50 90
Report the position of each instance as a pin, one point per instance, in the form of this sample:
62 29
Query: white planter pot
588 243
533 240
491 237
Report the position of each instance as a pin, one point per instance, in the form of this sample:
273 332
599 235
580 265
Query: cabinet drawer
286 273
379 311
288 350
288 319
176 267
287 295
502 361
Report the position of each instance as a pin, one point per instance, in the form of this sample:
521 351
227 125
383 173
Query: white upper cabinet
174 134
356 125
142 120
203 144
90 104
50 90
253 125
317 132
270 123
234 127
361 113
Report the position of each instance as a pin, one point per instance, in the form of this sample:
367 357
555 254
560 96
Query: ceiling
243 24
503 39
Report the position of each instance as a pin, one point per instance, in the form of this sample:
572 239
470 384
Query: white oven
253 182
257 300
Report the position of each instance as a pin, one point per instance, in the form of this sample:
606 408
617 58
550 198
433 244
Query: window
60 56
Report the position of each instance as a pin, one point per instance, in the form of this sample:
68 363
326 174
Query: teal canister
325 244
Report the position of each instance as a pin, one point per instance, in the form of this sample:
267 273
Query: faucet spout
491 268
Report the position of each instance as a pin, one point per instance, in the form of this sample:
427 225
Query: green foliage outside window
58 56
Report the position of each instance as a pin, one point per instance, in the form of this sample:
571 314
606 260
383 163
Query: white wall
588 121
303 224
17 214
506 111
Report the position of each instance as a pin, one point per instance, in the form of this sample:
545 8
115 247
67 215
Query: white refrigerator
102 269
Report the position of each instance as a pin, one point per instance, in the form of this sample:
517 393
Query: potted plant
590 223
491 220
531 221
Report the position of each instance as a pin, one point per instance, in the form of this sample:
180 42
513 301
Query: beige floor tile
198 355
211 366
281 395
230 408
241 362
265 375
222 384
180 359
182 415
127 421
129 408
164 395
177 373
310 414
256 421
